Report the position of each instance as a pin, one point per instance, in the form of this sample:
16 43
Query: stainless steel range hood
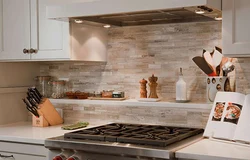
136 12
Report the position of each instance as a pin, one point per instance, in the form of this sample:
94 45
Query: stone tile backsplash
134 114
138 52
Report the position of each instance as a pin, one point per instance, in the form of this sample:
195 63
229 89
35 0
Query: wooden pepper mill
153 86
143 88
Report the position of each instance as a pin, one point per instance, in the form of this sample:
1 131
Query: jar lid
62 82
41 78
117 92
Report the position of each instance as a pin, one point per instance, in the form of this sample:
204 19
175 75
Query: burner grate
135 134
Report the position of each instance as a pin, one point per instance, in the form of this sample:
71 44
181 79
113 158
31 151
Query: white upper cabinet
235 31
24 25
14 29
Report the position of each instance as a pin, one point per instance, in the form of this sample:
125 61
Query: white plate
148 99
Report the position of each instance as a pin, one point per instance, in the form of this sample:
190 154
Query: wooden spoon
209 60
204 66
217 57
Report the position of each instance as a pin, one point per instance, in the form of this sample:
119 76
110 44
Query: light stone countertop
24 132
207 149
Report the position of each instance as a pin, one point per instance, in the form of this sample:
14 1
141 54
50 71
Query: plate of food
233 112
218 111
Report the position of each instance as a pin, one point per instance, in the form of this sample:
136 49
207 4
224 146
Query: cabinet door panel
15 28
236 24
53 35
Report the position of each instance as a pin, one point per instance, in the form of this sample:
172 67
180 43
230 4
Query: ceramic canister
215 84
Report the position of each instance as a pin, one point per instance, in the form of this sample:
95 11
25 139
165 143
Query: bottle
181 88
153 85
143 88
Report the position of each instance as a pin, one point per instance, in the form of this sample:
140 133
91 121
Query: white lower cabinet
22 151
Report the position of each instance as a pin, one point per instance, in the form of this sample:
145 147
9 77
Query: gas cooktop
154 135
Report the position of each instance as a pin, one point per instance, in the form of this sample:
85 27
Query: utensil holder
39 121
48 115
49 112
215 84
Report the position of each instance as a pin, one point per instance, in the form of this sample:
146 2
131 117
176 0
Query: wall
14 81
137 52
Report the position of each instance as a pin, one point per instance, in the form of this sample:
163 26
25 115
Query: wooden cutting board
110 99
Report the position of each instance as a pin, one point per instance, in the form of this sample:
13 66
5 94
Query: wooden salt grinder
143 88
153 86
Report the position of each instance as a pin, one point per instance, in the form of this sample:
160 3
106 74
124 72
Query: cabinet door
235 31
14 29
50 37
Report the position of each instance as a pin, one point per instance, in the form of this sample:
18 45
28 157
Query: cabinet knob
25 51
33 50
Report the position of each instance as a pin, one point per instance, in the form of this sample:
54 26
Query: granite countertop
24 132
207 149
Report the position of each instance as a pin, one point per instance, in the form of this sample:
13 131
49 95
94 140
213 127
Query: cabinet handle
25 51
3 156
33 50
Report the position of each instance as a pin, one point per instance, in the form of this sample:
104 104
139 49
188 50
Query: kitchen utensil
223 62
153 84
209 60
228 70
35 94
31 95
30 108
228 67
202 64
203 51
218 49
35 89
217 57
33 102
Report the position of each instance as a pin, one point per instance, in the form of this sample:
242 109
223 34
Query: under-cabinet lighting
78 21
107 26
218 18
199 11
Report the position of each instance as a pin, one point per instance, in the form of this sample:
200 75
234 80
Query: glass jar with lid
43 86
57 88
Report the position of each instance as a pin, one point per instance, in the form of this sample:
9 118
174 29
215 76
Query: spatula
209 60
203 65
217 57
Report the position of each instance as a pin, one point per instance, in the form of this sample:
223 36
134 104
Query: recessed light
78 21
218 18
107 26
199 11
